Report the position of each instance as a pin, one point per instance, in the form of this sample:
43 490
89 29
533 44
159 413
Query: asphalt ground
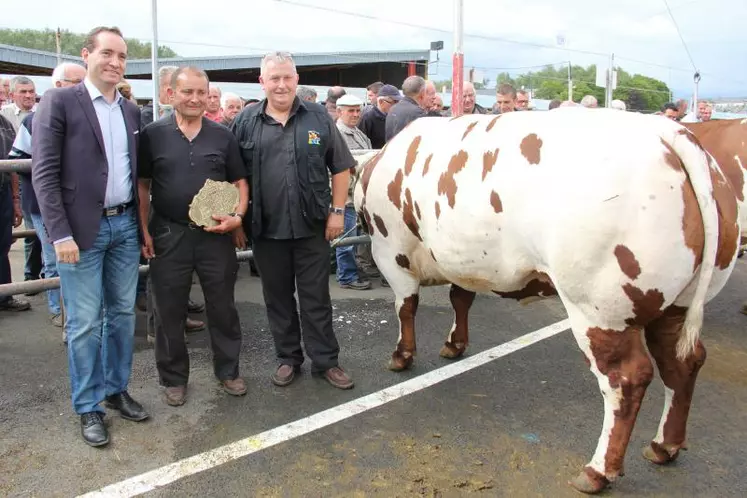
520 425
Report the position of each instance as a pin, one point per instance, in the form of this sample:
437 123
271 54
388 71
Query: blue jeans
32 248
347 270
99 297
49 260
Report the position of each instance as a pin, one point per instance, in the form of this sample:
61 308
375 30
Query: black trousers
6 230
285 265
181 250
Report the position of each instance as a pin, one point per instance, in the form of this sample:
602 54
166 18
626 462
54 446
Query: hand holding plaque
212 205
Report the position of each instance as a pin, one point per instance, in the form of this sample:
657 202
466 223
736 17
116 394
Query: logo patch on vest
314 138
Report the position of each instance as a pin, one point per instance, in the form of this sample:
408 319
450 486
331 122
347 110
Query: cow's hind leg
406 288
624 370
679 383
458 339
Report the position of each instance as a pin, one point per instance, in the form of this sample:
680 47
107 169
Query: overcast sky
509 34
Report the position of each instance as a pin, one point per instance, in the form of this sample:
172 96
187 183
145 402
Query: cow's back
491 202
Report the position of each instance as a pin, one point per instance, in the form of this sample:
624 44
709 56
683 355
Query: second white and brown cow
621 215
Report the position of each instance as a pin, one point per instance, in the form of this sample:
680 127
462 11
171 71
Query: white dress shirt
114 132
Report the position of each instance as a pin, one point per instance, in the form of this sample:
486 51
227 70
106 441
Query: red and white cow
726 141
621 215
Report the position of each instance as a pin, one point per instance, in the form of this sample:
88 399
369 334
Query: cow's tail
695 161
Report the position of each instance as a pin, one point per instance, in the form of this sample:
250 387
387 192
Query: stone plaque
214 198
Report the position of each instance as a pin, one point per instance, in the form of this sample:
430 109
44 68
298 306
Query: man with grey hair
65 75
231 104
290 149
410 108
214 112
306 93
589 101
23 93
164 105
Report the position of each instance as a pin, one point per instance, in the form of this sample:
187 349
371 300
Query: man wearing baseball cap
373 122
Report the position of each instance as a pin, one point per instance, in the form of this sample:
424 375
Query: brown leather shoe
176 395
284 375
338 378
234 387
193 325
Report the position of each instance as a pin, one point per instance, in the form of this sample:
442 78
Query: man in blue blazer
85 177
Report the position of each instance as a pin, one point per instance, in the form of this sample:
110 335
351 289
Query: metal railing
14 288
17 166
34 286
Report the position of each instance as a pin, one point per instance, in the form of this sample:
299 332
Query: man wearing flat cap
348 115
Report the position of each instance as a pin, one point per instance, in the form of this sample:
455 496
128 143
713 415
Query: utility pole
154 57
610 82
696 80
457 107
570 83
58 44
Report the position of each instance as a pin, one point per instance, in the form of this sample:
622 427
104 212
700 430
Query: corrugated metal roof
18 56
229 62
40 58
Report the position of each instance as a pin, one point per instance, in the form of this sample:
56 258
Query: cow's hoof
660 454
451 352
590 482
399 363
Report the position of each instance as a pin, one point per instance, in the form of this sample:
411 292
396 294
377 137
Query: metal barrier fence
15 166
54 283
24 166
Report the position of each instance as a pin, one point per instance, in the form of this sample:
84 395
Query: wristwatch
336 210
236 214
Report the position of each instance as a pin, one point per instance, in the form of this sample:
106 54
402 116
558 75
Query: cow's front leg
458 339
404 355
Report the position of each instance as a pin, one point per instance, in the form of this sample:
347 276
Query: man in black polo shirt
289 147
177 155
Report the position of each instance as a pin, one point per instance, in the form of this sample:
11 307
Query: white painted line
167 474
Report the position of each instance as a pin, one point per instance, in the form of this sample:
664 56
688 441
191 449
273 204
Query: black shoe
129 409
93 430
193 307
13 304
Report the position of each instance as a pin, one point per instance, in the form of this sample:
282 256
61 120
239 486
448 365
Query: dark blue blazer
69 165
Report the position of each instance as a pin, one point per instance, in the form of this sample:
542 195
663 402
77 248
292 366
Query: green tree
72 43
639 92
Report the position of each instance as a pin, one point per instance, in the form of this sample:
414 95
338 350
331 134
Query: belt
189 224
117 210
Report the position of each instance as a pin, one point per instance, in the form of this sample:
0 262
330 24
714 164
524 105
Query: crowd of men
111 186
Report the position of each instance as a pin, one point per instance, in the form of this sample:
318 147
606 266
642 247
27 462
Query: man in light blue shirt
84 173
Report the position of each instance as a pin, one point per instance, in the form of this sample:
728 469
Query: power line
680 34
448 31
